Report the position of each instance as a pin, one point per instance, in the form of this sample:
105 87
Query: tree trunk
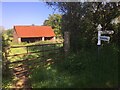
66 42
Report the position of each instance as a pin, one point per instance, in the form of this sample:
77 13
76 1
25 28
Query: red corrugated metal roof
34 31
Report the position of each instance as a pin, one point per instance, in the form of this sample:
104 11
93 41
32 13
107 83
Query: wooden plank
26 60
29 53
21 61
35 45
21 72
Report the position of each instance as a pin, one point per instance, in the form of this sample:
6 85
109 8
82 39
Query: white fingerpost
105 38
99 34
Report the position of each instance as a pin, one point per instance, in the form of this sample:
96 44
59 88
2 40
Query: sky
0 13
24 13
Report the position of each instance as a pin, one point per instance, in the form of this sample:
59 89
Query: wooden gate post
5 61
66 43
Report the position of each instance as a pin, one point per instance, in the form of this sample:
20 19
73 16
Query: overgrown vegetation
37 57
6 74
86 69
55 22
86 66
82 19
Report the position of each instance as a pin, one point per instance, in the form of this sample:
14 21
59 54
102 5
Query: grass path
22 79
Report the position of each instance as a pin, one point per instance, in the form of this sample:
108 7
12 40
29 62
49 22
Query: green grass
7 83
37 42
86 69
0 73
30 49
49 78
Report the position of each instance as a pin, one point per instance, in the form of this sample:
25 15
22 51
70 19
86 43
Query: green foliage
55 22
86 69
81 20
7 37
6 40
44 78
116 36
90 67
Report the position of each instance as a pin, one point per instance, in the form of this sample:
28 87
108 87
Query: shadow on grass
86 69
7 81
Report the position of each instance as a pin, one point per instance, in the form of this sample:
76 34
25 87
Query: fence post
5 61
66 43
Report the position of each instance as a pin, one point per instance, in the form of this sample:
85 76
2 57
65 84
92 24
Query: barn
32 33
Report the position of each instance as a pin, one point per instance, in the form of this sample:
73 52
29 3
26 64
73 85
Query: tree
6 40
55 22
81 20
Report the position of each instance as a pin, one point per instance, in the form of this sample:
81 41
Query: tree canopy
81 20
55 22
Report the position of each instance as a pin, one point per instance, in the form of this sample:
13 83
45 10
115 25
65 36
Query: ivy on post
5 61
66 42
